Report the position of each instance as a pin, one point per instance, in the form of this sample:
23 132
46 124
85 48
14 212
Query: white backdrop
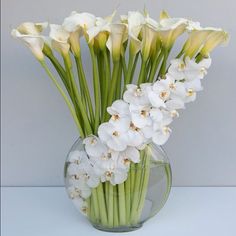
37 130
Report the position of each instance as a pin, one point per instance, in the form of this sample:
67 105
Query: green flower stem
87 125
142 72
129 70
144 187
94 203
133 68
65 98
125 72
106 83
132 179
121 197
137 184
97 95
85 86
155 67
128 198
111 95
102 204
118 85
110 206
115 206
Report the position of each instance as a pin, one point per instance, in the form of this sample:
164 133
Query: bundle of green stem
121 205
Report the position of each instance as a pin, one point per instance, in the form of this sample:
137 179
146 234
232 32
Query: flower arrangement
129 111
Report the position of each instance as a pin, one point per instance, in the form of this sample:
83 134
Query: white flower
108 169
135 136
119 112
93 146
161 135
79 21
170 29
101 25
77 157
158 94
188 70
81 204
118 35
140 115
30 34
80 189
59 38
130 154
137 95
114 136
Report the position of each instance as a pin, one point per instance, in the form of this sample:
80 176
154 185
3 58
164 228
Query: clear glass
125 207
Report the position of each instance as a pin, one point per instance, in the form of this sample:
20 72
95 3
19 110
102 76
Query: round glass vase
125 207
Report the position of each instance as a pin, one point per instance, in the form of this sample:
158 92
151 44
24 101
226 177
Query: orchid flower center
144 113
164 95
203 71
138 92
133 127
166 130
84 210
172 86
174 113
115 133
181 66
126 161
115 117
190 92
93 141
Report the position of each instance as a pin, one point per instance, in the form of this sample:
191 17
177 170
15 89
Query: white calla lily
170 29
30 34
59 38
118 35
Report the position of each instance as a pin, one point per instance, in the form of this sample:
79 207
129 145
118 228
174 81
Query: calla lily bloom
59 38
30 34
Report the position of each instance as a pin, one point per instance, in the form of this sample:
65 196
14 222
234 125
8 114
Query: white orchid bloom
80 189
114 135
118 35
77 157
81 204
161 135
191 88
188 70
93 146
156 114
140 115
30 34
119 112
108 169
135 136
137 95
59 38
170 29
130 154
159 93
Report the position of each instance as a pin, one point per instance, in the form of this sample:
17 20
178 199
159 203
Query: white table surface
190 211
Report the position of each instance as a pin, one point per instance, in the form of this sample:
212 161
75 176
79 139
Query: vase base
118 229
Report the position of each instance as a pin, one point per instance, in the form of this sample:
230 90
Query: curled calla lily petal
79 21
170 29
30 34
59 38
118 35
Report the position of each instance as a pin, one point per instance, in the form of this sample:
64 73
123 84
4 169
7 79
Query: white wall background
37 130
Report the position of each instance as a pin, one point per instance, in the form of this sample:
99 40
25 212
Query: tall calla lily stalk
128 105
